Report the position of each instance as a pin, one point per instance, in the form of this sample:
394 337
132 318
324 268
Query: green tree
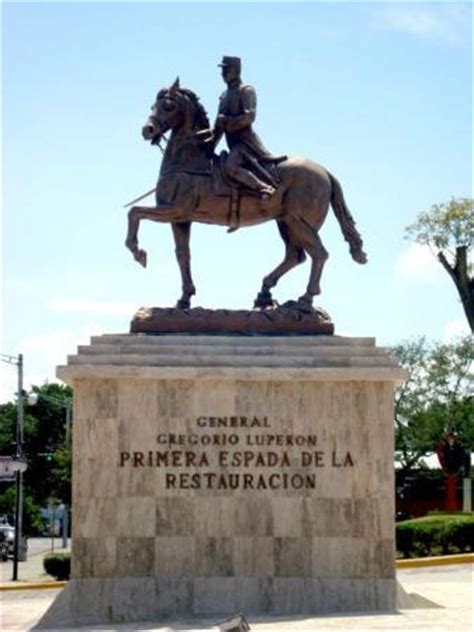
45 450
32 521
61 474
448 229
437 395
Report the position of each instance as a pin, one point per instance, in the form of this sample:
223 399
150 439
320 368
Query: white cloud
443 21
455 329
42 353
417 263
115 308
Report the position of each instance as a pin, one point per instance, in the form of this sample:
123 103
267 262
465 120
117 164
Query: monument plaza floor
444 596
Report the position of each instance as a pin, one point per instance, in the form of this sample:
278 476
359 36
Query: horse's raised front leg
182 233
153 213
131 241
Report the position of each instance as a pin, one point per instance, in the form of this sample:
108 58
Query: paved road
44 545
448 587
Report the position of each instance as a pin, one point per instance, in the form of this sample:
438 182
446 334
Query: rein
192 172
195 136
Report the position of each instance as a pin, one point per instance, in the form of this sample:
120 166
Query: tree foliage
48 457
448 229
437 395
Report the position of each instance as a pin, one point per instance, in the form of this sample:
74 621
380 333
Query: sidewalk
31 571
444 604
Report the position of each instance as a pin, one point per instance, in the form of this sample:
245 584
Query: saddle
223 186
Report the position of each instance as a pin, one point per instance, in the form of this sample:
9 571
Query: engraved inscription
236 459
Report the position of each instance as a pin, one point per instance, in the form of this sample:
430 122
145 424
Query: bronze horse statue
186 193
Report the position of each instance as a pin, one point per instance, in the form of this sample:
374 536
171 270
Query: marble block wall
214 494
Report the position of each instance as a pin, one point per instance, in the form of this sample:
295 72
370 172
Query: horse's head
175 108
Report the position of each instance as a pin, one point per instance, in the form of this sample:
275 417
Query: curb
419 562
442 560
32 586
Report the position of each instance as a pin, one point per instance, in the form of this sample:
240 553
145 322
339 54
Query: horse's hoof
303 305
305 301
267 306
359 256
264 300
141 257
183 303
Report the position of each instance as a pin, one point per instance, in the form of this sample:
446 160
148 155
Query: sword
141 197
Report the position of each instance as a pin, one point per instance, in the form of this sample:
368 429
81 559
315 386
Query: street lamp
20 464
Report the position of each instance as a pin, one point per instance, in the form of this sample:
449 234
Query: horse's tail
346 222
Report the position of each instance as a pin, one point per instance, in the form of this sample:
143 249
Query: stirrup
267 192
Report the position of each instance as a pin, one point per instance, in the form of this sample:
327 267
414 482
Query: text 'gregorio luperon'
221 456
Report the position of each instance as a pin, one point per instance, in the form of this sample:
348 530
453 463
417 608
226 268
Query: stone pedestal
213 475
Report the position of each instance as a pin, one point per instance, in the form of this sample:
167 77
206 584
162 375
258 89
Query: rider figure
237 110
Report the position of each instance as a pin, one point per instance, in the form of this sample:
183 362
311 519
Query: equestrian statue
243 187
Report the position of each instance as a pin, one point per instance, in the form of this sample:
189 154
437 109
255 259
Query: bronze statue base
282 321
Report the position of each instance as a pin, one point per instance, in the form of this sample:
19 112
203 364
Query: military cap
230 61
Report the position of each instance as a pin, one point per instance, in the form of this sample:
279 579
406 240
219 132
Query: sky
379 93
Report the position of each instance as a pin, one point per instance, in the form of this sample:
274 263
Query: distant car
7 541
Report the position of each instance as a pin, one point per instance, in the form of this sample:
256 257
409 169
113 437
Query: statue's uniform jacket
239 103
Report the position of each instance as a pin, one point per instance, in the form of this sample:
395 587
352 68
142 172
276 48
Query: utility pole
18 462
19 472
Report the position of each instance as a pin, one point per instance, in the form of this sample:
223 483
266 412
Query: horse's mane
201 119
